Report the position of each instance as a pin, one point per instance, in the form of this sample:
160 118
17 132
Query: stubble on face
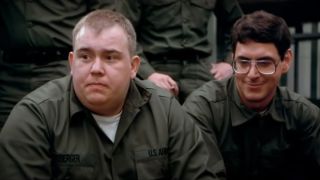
102 84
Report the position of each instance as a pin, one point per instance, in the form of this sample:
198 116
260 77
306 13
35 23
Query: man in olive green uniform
263 131
34 44
174 42
101 122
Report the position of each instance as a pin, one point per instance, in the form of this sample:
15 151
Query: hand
221 70
164 81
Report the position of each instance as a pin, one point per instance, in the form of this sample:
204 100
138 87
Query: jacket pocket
75 172
151 167
73 166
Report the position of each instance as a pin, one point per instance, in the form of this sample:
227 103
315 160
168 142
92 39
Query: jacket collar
136 97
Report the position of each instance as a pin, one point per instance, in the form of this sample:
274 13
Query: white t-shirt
108 124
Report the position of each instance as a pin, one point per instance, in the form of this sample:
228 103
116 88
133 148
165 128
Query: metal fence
304 75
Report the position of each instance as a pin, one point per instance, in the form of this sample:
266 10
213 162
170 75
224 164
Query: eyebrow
266 58
85 49
260 58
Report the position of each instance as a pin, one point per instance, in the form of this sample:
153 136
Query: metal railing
304 77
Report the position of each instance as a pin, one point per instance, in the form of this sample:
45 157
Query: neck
258 106
106 110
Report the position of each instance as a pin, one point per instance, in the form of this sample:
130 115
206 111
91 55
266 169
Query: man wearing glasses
263 131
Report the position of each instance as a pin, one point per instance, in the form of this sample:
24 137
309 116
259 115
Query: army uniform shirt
30 24
50 135
281 143
180 27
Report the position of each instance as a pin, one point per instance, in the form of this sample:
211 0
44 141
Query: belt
34 56
182 57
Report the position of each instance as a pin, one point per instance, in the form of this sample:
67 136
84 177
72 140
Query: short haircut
261 26
102 19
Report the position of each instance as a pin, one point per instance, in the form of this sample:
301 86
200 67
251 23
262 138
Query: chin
252 94
96 100
254 98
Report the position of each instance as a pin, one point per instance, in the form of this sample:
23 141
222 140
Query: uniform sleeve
198 110
188 154
307 122
24 145
226 12
133 11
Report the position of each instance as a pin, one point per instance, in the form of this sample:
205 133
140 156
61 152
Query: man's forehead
84 31
81 32
87 30
111 41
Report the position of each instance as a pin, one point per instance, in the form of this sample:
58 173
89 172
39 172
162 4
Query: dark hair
104 18
263 27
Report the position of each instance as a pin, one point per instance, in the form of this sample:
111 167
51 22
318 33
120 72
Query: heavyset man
101 122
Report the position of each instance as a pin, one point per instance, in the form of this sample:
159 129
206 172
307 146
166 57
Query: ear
286 62
135 64
71 59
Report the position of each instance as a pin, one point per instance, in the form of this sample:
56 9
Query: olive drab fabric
58 138
281 143
35 39
180 27
174 38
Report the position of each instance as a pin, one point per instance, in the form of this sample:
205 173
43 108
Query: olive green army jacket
51 135
282 142
180 27
38 24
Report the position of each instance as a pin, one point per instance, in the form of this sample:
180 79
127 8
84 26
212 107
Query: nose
253 71
97 66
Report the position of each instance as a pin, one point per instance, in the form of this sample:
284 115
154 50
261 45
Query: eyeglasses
265 67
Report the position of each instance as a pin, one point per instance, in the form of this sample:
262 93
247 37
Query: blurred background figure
174 42
35 39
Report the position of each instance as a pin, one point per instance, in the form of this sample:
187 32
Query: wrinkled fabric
281 143
50 135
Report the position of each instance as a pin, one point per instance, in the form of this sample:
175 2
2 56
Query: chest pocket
152 164
73 166
75 172
205 4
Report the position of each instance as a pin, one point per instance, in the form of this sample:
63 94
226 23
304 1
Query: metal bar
314 63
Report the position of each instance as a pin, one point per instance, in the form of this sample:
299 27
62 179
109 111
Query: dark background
293 11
